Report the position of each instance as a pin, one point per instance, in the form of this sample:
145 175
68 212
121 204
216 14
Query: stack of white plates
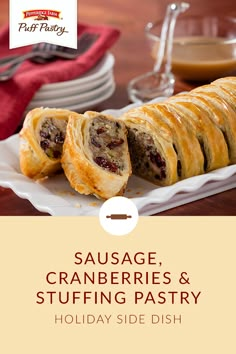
80 94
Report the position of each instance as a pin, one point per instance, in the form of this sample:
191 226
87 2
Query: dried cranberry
159 161
104 163
163 163
95 143
56 154
163 173
113 144
59 139
101 130
152 157
156 158
44 144
44 134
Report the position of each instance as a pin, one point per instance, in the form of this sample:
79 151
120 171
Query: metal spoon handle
164 53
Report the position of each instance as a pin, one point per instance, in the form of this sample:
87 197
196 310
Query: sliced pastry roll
211 139
151 145
221 114
95 155
41 142
226 94
184 136
190 158
228 83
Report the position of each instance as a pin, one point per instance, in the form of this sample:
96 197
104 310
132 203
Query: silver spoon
164 53
160 81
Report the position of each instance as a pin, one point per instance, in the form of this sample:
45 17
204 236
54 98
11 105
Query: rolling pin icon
118 216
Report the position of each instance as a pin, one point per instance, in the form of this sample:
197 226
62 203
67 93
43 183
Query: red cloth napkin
16 94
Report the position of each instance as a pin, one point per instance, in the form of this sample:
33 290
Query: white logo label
34 21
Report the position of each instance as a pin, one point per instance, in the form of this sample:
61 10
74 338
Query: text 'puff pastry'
95 155
184 136
41 141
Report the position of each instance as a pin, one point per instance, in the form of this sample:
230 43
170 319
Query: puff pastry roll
186 135
228 83
210 137
41 141
95 155
221 114
162 149
151 147
226 94
190 158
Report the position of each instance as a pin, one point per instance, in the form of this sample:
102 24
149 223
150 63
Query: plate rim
83 96
106 63
75 88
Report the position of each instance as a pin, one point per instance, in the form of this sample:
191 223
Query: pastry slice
190 158
221 113
210 137
95 155
151 145
222 92
228 83
41 142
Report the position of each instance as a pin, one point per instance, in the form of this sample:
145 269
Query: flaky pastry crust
84 175
34 162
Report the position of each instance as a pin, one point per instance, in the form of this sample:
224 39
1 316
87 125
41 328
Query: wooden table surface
132 59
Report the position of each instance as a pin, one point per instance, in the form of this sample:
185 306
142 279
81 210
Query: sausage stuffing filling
107 144
52 136
146 161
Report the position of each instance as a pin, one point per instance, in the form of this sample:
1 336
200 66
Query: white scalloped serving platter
55 196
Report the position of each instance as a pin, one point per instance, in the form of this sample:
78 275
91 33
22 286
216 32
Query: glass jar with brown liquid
204 47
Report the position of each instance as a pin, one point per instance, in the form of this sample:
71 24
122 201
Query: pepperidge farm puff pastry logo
31 24
42 16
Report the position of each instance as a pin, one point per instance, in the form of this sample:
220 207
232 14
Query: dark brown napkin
16 94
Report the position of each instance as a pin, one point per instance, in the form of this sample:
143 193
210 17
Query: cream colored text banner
69 287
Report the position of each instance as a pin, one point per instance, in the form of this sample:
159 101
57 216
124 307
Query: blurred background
130 17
